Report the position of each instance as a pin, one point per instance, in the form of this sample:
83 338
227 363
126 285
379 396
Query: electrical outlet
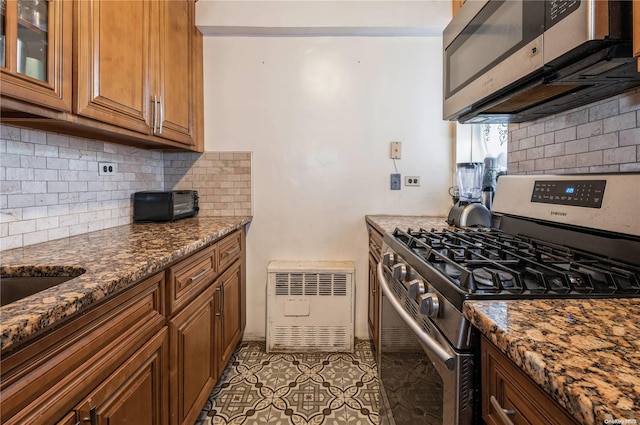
395 181
412 180
396 150
106 168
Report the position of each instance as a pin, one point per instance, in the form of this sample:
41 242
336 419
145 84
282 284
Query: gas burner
487 278
491 263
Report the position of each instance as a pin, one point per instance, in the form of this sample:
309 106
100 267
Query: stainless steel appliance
558 237
515 60
158 205
468 208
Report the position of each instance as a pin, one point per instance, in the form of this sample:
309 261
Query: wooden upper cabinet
176 71
135 66
36 52
113 62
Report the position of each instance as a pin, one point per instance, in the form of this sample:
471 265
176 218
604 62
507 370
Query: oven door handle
443 355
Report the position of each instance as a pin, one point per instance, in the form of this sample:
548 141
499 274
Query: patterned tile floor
309 388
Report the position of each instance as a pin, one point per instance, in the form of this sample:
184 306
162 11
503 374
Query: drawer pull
93 416
231 251
199 275
502 413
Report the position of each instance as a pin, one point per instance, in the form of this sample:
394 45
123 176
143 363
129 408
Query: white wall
322 17
319 114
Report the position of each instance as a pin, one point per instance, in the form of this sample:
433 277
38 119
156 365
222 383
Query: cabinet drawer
229 250
189 277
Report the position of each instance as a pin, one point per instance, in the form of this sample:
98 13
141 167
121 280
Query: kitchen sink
14 288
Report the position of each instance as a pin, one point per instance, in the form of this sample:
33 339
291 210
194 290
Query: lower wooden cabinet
193 364
229 316
374 301
135 393
510 397
149 355
373 316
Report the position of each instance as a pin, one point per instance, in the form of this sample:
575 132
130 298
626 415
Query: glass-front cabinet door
35 50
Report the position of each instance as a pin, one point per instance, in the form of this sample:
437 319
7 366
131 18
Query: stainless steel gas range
572 236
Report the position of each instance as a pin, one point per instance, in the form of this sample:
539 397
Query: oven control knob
429 304
388 259
416 288
399 271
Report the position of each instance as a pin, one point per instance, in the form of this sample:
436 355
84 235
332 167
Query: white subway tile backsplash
21 201
630 137
619 155
601 137
565 134
620 122
589 159
50 187
603 141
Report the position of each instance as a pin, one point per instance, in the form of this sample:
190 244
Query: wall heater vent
310 306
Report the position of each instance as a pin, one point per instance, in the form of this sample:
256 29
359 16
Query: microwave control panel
577 193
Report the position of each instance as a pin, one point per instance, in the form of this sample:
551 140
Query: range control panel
577 193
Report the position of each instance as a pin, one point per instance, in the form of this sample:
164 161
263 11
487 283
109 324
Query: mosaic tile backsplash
50 187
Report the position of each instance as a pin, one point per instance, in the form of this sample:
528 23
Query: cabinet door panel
231 325
135 393
176 71
37 55
113 61
192 361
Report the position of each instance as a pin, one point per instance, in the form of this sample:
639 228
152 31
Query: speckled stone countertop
113 259
584 353
388 223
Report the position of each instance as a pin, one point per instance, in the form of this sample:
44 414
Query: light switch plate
395 181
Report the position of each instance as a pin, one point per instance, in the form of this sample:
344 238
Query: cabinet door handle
161 104
155 113
219 312
222 297
93 417
502 413
199 275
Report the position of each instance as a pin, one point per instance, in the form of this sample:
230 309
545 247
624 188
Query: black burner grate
490 261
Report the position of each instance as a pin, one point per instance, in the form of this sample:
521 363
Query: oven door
489 45
423 380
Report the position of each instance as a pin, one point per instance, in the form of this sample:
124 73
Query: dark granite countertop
584 353
113 259
388 223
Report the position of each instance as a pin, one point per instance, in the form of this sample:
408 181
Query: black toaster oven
166 205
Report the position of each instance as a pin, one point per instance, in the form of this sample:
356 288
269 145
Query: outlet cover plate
412 180
106 168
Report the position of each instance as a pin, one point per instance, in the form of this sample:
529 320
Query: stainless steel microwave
164 205
515 60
